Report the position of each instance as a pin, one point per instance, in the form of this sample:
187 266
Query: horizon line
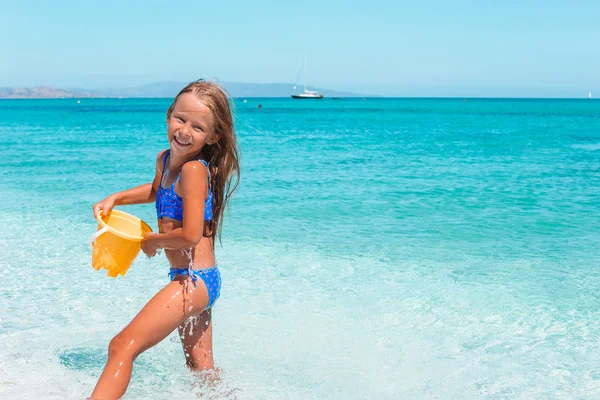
326 97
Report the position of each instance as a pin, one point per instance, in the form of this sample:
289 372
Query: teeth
181 141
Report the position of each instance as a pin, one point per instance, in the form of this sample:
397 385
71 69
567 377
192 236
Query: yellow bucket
117 241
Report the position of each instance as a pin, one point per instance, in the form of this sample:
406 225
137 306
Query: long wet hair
222 156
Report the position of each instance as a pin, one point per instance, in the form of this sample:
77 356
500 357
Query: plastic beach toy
117 241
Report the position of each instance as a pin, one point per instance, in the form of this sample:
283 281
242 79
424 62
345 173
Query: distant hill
235 89
42 92
165 89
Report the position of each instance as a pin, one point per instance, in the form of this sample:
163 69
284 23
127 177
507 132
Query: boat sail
307 94
590 95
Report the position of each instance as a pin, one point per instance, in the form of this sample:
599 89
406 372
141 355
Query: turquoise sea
376 249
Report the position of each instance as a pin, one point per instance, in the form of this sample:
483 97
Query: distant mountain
235 89
42 92
164 89
160 89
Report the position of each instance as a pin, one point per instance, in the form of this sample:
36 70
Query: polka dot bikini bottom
210 276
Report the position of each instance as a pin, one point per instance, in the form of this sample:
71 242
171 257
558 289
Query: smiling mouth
181 142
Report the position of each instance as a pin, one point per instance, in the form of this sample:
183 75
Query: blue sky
398 48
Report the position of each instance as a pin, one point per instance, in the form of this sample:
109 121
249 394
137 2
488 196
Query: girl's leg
196 337
176 302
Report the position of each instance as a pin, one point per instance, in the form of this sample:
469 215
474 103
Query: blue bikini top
170 205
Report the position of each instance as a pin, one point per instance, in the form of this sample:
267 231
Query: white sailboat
590 95
307 94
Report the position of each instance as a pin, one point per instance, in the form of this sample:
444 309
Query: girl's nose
185 129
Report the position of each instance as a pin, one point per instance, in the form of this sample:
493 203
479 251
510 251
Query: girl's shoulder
160 159
195 168
162 155
193 178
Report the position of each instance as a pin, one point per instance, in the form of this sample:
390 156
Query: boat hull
305 97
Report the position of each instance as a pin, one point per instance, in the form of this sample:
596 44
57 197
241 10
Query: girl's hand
149 245
105 206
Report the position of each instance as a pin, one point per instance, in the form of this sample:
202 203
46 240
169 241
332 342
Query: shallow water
387 248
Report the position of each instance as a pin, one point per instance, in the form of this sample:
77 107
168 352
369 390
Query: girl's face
191 126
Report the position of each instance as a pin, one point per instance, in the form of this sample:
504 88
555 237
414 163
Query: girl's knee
122 346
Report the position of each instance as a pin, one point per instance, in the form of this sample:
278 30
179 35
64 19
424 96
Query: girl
193 181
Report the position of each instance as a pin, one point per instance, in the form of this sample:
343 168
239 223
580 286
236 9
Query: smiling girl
194 179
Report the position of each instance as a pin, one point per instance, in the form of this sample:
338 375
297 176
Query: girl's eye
179 119
198 128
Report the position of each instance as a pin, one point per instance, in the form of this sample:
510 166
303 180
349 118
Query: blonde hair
222 156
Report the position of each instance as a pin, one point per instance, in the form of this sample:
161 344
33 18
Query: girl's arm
145 193
194 190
